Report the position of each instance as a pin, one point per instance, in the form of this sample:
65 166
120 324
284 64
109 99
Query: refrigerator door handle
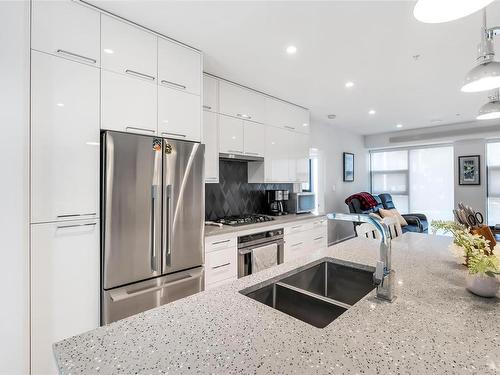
168 224
154 257
121 295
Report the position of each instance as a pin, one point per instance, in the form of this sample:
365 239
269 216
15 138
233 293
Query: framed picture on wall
348 167
469 172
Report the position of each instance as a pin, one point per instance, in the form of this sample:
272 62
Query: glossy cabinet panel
179 67
211 141
276 157
66 29
128 104
179 114
64 286
298 167
253 144
240 102
286 115
210 93
230 135
127 49
65 139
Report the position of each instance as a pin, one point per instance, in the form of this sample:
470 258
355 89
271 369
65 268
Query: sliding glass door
420 180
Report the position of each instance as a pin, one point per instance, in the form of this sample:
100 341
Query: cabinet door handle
235 151
318 238
297 227
74 215
219 242
173 84
139 74
297 244
289 127
75 225
242 115
222 265
252 153
140 129
207 107
174 134
63 52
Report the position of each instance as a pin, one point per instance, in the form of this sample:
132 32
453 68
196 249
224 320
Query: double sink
317 293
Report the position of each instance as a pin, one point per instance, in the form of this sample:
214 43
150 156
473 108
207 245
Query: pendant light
490 110
486 74
437 11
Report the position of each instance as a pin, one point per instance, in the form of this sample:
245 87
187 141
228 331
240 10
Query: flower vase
482 285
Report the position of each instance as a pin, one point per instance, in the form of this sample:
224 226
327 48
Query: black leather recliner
416 222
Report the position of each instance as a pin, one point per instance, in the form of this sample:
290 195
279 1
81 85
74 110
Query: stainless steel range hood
239 157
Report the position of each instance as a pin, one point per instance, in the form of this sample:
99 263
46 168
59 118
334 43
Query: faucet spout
384 275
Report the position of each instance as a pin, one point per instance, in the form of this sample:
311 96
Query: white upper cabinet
276 157
285 115
230 135
64 286
240 102
66 29
253 144
211 141
210 93
179 114
179 67
65 139
298 156
127 49
128 104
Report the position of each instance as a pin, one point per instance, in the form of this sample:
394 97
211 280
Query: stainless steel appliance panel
183 205
123 302
131 208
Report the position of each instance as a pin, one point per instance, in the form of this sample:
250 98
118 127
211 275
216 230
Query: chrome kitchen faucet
384 276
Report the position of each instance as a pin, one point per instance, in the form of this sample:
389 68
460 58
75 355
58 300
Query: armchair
416 222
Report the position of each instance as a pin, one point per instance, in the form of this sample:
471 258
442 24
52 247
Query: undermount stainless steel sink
318 294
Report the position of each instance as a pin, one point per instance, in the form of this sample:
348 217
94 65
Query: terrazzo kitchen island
434 326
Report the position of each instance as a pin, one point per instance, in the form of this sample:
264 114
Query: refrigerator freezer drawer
132 299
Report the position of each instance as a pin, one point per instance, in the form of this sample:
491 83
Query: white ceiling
371 43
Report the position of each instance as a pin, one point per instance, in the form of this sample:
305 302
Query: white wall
329 143
14 120
474 196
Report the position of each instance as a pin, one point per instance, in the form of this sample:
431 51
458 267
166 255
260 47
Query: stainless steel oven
248 245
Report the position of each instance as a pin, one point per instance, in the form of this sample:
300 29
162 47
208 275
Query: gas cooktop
243 220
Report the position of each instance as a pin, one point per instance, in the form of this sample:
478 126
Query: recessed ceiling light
305 124
372 112
108 50
399 126
332 116
291 50
349 84
60 104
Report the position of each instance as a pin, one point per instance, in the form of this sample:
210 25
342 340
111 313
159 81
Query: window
389 171
419 180
493 165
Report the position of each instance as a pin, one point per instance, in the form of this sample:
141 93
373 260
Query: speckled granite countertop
434 327
279 221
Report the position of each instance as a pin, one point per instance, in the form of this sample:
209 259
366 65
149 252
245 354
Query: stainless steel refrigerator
152 201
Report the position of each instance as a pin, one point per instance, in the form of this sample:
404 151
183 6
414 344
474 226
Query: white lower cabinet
221 260
64 139
64 286
179 114
128 104
304 237
211 141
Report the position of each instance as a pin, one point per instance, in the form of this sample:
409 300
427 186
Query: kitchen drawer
221 265
218 243
298 227
320 223
219 283
318 240
295 249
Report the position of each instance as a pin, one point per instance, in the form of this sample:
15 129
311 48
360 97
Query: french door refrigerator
152 202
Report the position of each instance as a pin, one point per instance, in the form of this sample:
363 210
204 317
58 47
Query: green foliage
479 258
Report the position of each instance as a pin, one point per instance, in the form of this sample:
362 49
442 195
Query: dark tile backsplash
233 195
